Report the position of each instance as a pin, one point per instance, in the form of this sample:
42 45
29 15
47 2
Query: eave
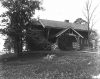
58 34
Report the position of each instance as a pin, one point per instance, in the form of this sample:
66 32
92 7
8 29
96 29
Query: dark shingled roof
61 24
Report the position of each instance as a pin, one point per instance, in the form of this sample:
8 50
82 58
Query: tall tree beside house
93 36
89 15
19 17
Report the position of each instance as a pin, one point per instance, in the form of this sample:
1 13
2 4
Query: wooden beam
41 23
66 30
48 33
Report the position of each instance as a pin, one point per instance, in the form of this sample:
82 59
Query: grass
65 65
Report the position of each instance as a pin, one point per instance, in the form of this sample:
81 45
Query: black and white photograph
49 39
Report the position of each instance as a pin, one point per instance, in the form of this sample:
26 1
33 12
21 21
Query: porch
71 40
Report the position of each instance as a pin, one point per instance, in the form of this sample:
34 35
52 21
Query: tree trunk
88 39
18 50
88 31
19 47
15 48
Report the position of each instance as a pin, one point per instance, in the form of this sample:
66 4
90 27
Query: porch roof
61 32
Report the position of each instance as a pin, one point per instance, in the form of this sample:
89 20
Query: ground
64 65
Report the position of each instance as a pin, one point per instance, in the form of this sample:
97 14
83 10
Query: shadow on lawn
14 57
30 55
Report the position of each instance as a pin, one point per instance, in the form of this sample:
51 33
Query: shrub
64 42
44 45
36 41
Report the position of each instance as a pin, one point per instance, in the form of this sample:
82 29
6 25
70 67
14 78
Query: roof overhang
61 32
60 24
41 23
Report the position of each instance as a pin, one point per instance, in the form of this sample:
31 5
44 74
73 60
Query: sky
61 10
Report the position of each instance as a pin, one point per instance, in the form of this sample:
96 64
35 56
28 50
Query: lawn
64 65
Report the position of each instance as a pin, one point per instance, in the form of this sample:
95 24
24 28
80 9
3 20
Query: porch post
78 42
48 33
55 45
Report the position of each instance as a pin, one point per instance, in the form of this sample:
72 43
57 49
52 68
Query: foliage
19 17
93 35
89 15
94 38
8 44
63 42
36 41
80 21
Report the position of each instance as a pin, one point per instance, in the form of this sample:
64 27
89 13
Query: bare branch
85 15
93 24
93 11
89 16
90 5
87 4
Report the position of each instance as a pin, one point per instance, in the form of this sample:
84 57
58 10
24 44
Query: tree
80 21
65 42
94 39
36 41
89 15
93 36
18 19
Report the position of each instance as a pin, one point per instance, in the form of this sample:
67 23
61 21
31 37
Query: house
78 33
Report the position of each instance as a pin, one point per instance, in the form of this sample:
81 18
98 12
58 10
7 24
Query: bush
37 42
43 45
64 42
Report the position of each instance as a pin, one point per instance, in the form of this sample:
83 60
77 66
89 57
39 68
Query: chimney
66 20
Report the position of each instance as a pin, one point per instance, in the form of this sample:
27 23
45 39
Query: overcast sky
61 10
68 9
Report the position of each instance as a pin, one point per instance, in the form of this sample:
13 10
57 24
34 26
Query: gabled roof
60 24
61 32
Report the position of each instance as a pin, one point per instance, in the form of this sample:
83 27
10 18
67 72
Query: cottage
77 33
